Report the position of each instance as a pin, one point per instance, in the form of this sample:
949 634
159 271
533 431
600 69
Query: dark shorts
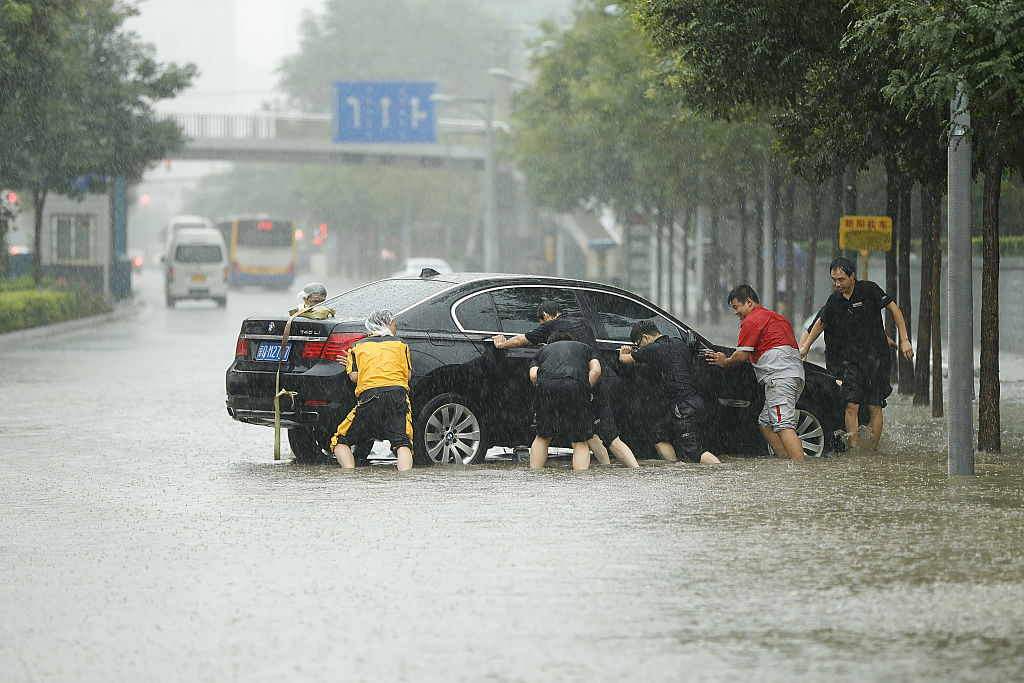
381 414
563 409
606 397
681 428
865 381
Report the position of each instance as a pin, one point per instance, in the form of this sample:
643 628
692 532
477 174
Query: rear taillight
225 273
170 274
241 348
336 345
339 344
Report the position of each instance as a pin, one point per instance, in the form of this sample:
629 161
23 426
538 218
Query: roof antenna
428 272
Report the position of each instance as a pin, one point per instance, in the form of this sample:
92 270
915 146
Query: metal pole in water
960 319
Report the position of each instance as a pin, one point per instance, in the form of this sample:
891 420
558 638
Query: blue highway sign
384 112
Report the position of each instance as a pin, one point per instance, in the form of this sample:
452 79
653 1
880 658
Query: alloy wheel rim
452 431
812 436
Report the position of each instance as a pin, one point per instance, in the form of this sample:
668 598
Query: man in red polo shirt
767 341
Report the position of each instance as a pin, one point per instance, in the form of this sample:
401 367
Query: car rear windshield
198 253
264 233
394 295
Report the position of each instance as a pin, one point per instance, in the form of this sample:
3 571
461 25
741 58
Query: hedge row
22 308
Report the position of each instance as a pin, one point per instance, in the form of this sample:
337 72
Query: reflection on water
856 566
162 541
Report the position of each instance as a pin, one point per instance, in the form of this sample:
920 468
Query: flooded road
146 535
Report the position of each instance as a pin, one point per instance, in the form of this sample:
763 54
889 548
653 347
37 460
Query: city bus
261 250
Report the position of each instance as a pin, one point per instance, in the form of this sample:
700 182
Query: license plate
272 351
198 277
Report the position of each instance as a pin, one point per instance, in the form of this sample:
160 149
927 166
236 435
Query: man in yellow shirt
381 368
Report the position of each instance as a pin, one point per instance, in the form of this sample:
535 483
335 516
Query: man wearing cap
380 367
311 295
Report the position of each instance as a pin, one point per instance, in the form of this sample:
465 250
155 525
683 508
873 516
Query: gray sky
237 45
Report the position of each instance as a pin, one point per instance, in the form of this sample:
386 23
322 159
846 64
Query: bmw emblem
270 328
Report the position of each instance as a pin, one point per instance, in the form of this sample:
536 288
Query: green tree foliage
979 45
78 103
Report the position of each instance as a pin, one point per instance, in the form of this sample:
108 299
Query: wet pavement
146 535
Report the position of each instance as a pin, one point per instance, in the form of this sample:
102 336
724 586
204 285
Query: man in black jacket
606 393
679 430
564 372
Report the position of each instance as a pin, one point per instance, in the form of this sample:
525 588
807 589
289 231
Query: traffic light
12 197
323 231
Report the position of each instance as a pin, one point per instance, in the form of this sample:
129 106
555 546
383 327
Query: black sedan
468 396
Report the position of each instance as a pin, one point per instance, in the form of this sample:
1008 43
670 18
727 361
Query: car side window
476 314
517 306
618 315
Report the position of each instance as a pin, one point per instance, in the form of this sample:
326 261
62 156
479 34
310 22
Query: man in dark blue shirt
853 316
564 372
606 393
671 360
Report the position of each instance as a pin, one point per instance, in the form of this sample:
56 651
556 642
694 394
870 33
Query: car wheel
811 434
448 428
170 300
221 301
309 446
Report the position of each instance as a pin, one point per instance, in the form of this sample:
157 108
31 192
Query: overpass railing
273 125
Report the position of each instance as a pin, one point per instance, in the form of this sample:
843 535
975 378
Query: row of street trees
76 100
665 107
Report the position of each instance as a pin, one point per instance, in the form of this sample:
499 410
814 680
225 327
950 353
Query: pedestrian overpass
308 138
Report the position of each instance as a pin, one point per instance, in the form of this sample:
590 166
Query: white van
186 222
196 266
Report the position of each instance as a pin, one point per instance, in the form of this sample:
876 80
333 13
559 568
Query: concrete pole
960 318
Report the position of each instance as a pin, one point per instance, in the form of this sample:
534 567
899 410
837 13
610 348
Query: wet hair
641 328
560 335
844 264
379 322
741 294
552 308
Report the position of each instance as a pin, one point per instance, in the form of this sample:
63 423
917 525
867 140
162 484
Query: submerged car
468 396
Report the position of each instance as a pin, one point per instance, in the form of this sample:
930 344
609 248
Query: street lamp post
490 223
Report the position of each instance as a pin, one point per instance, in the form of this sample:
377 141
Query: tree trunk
906 367
741 209
988 392
936 230
759 244
837 212
787 308
687 227
713 272
659 270
772 265
924 315
893 185
670 226
38 203
812 249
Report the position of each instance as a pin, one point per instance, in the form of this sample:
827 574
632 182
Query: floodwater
146 535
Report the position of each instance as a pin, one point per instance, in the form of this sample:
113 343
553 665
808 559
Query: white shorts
780 397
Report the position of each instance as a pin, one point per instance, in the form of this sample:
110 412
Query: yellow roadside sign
865 233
